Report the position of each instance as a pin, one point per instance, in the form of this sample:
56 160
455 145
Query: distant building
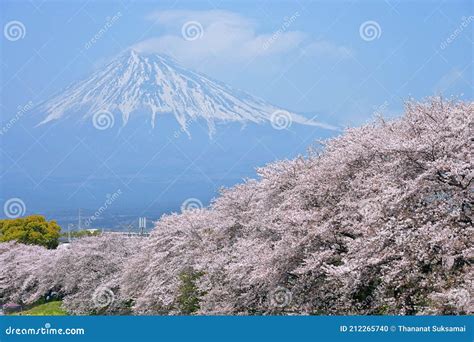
92 230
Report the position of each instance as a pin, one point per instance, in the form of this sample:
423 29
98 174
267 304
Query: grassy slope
47 309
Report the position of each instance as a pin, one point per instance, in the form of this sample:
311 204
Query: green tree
189 294
31 230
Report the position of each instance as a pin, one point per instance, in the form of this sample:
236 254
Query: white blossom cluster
25 272
377 221
84 274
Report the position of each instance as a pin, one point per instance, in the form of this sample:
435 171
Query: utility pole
142 225
79 220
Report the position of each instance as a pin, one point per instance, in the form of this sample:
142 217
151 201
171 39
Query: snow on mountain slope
154 84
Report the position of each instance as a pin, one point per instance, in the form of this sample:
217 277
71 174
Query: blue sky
310 57
341 60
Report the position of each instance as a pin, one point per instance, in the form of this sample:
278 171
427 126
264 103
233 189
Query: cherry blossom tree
25 272
176 247
84 273
87 272
376 221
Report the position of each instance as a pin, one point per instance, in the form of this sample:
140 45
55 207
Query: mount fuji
150 128
151 85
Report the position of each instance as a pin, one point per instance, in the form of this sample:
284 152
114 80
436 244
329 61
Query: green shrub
30 230
189 294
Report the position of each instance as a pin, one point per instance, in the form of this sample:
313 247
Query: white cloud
229 36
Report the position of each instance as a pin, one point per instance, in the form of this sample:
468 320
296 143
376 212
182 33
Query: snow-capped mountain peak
135 83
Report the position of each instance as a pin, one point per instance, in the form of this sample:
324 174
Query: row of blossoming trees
378 221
